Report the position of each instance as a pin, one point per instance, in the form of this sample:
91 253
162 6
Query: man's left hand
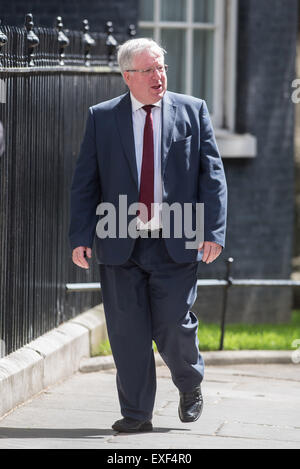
211 251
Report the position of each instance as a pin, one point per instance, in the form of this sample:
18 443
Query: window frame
224 60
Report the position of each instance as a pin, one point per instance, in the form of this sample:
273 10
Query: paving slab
245 406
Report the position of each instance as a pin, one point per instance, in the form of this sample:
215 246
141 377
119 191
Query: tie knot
148 108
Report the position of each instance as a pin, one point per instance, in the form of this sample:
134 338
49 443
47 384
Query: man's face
148 88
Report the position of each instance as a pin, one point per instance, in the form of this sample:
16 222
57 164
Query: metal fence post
3 41
131 31
88 42
229 283
32 39
111 43
63 41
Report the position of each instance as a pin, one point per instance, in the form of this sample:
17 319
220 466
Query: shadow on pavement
10 432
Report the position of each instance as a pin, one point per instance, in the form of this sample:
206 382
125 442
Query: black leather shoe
190 405
129 425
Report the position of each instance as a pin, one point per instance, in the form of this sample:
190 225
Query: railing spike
88 42
32 39
3 41
111 43
131 31
63 41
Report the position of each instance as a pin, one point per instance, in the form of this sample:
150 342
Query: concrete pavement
245 406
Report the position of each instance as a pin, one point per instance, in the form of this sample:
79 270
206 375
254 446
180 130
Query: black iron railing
35 46
48 79
228 282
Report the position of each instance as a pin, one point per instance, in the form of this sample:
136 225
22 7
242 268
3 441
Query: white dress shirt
138 119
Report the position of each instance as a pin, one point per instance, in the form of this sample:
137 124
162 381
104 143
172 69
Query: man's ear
126 76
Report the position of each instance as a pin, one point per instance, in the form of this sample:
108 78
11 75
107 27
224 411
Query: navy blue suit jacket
192 171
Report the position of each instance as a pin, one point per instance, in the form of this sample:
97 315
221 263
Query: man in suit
156 148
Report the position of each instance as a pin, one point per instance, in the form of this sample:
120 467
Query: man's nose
156 73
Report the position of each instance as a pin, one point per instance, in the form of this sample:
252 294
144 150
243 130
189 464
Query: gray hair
132 47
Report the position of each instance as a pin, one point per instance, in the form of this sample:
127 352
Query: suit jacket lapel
168 122
124 119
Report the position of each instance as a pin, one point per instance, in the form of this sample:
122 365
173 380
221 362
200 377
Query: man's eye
148 70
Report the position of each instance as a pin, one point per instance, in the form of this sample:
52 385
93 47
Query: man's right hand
78 256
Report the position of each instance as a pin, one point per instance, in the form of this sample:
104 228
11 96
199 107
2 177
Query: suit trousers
149 299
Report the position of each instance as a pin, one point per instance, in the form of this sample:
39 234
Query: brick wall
261 195
296 259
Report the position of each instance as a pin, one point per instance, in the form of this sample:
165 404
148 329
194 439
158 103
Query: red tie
147 173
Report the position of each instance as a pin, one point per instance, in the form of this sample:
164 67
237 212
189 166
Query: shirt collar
136 105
